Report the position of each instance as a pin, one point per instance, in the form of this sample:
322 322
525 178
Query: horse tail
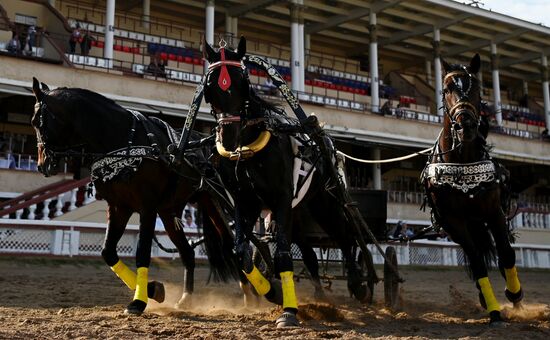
484 247
218 241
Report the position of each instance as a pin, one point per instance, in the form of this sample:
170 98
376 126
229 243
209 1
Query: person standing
31 39
14 45
76 37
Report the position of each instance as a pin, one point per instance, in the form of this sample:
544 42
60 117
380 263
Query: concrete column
209 26
437 73
480 78
545 90
429 79
296 43
301 37
229 30
376 170
235 27
496 84
109 31
373 62
146 13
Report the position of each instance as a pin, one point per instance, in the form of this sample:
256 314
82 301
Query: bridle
463 106
241 116
224 82
53 153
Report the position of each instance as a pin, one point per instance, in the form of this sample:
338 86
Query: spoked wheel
391 279
367 269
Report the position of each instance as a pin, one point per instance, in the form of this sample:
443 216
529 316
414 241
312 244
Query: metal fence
60 238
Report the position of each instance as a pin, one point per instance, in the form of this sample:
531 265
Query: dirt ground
82 299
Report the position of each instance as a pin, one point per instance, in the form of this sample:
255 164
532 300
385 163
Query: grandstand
346 60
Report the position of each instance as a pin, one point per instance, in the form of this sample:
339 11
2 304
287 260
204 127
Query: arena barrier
83 239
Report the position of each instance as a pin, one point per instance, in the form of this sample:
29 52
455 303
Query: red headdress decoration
224 81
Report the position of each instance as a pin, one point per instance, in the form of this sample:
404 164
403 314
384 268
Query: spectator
386 108
409 232
14 45
86 43
31 40
544 134
9 162
398 232
76 37
189 221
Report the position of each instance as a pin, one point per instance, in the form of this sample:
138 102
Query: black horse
256 161
129 171
468 191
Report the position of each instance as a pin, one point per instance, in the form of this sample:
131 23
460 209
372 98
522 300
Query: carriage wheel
365 263
391 279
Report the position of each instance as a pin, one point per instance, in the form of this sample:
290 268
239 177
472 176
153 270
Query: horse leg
187 255
506 259
118 218
271 290
283 262
476 259
310 260
143 260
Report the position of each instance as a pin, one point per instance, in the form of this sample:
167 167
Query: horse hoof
495 320
135 307
185 302
514 298
287 319
155 291
275 294
362 293
498 324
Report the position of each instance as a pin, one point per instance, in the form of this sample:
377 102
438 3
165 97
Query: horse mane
262 106
94 98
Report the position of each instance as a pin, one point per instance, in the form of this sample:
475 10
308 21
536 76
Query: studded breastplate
459 176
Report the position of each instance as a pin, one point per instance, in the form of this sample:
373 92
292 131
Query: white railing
60 238
68 198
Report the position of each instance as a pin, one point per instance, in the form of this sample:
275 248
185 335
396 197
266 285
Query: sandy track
82 299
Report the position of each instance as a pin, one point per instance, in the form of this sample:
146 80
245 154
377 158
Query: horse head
51 126
227 89
461 99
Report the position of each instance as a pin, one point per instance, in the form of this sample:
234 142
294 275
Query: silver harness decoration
110 166
460 176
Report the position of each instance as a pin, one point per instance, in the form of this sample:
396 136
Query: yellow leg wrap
289 293
259 282
125 274
141 285
512 281
487 291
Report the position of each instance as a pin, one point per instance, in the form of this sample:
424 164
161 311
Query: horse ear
208 52
446 66
36 89
44 87
241 49
475 64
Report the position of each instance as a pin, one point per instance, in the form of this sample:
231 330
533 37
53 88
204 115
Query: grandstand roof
404 28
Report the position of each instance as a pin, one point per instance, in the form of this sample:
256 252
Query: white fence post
73 199
59 206
46 209
32 208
